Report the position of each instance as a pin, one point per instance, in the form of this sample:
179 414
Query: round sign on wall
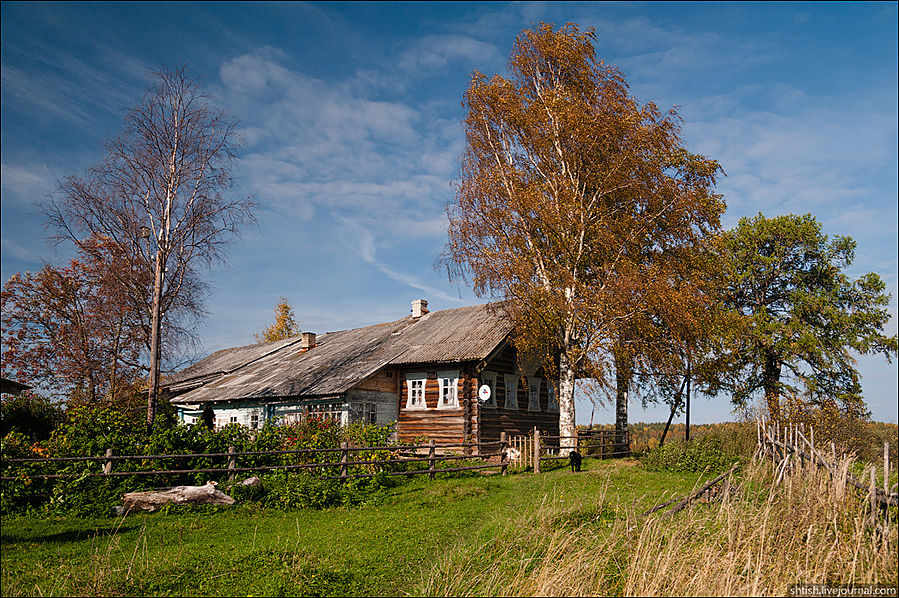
484 393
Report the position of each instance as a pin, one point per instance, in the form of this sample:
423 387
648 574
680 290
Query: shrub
709 452
89 430
30 414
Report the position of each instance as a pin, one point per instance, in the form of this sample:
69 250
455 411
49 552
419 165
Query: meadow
556 533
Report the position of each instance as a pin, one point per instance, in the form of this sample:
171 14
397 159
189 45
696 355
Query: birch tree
570 194
162 197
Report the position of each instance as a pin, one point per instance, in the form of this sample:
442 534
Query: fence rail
409 454
531 449
515 450
789 447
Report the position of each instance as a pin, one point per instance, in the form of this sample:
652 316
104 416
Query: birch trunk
567 426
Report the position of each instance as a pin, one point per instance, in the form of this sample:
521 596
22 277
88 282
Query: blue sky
351 113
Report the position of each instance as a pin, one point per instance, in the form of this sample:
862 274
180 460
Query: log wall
494 421
443 425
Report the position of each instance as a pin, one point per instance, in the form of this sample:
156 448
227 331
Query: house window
489 379
415 385
511 381
369 413
534 393
553 400
232 419
328 411
449 383
254 421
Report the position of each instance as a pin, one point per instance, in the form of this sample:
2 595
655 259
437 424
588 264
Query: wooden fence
336 467
601 444
789 448
401 460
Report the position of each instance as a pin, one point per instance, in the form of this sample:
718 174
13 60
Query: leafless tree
163 196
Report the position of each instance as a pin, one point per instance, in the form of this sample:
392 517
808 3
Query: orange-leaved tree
284 326
570 194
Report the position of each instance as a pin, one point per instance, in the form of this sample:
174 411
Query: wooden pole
107 467
432 460
689 375
232 463
503 448
536 450
343 462
886 467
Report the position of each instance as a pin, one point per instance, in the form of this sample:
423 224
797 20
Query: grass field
388 548
553 534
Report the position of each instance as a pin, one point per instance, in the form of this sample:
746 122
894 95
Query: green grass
385 548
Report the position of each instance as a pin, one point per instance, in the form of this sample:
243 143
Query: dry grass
757 540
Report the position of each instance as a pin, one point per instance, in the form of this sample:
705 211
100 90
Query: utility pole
689 375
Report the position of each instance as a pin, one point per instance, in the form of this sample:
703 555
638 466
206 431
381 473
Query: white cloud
434 52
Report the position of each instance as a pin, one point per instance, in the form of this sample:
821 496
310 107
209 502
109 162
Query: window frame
515 379
552 405
534 384
453 377
416 377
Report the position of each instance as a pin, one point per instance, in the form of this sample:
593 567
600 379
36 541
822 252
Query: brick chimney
308 340
419 308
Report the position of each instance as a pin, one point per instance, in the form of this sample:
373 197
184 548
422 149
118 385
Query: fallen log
154 499
686 500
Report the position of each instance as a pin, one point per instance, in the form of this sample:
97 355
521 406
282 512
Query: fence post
503 448
432 461
343 462
886 468
107 466
536 450
602 445
232 463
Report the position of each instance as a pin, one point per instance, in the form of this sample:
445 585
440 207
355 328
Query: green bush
708 453
30 414
91 430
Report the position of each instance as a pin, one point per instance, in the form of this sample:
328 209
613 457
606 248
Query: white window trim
453 377
514 379
553 403
534 383
491 377
423 377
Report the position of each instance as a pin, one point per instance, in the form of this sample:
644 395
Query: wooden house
422 372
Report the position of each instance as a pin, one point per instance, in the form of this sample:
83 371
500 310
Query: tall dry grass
756 540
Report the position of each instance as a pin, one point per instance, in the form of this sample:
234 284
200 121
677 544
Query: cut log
153 500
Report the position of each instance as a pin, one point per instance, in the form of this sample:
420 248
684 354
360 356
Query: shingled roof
340 360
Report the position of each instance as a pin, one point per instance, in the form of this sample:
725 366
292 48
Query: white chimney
308 340
419 308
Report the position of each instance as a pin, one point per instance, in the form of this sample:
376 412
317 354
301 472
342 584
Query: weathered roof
340 360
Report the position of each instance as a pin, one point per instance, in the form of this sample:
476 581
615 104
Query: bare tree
161 196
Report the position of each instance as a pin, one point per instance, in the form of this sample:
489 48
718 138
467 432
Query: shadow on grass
63 537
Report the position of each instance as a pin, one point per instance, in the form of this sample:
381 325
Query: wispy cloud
362 241
432 53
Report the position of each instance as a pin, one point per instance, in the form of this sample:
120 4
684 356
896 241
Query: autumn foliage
576 203
74 330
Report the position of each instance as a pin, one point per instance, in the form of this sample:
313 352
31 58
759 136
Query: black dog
574 458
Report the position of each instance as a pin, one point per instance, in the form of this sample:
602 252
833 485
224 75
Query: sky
351 116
